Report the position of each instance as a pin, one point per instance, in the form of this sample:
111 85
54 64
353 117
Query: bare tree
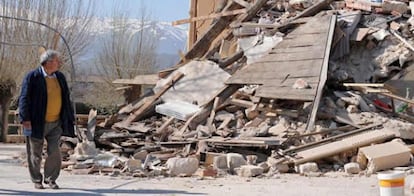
130 50
20 39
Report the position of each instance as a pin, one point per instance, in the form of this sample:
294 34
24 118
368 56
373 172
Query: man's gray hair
48 56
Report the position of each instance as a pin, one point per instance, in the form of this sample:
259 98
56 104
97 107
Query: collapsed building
267 86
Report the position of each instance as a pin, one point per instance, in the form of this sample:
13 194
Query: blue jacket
33 100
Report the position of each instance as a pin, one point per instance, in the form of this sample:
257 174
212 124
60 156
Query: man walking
46 112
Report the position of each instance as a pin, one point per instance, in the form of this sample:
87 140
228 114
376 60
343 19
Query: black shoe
52 185
38 185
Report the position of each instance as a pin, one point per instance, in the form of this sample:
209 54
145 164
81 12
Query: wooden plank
132 107
300 43
150 79
262 71
306 36
138 114
211 16
245 142
298 49
289 82
278 72
192 30
349 143
309 28
298 148
363 84
324 74
230 60
285 67
286 93
163 131
398 98
299 56
409 45
210 119
268 80
307 74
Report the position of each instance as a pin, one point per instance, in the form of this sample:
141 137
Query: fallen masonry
268 87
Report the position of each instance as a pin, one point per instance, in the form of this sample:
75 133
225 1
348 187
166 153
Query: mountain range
171 39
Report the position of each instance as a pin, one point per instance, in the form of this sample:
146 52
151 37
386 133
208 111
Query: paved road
14 180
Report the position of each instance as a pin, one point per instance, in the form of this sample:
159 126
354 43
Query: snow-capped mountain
170 38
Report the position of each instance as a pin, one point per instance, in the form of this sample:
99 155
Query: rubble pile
272 86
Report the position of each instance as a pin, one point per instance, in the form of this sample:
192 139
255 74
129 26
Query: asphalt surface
15 180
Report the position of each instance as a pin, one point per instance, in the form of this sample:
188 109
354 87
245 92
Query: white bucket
391 183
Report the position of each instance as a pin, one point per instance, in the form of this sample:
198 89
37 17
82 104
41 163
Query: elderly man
46 112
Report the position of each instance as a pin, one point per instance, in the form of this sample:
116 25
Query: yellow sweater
54 99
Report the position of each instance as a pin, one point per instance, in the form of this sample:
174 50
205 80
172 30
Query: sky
160 10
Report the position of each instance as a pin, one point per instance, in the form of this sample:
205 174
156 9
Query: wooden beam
363 84
148 79
138 114
164 126
132 107
398 98
323 75
230 60
410 46
331 138
192 35
210 120
163 131
211 16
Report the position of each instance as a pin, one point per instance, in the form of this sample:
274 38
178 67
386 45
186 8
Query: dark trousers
34 148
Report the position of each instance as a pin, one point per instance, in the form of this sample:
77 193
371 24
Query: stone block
249 171
307 168
235 160
182 166
352 168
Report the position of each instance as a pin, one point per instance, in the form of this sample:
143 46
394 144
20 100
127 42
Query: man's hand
27 125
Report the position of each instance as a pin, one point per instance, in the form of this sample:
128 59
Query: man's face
53 65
